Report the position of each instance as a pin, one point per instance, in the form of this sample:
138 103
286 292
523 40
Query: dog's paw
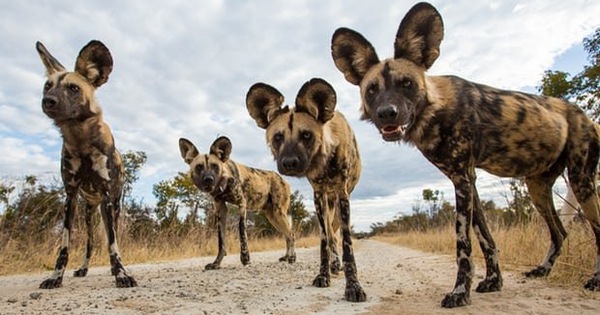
452 300
245 258
489 285
354 292
335 267
288 258
81 272
125 281
212 266
537 272
51 283
593 284
321 281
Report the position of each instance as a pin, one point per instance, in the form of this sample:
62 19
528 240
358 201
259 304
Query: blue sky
182 69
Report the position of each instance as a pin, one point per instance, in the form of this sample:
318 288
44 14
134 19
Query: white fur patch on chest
74 165
99 164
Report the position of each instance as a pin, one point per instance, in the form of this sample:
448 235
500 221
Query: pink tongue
390 129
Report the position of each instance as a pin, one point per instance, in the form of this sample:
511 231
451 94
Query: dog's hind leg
540 191
89 213
582 175
283 224
55 280
493 277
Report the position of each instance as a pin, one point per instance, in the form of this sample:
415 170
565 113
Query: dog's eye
74 88
372 89
306 135
277 138
199 168
406 83
47 85
214 167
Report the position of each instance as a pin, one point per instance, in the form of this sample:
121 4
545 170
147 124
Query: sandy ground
397 281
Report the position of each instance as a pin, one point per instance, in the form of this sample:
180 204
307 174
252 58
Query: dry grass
521 248
24 256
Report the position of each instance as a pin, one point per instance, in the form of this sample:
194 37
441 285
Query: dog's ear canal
52 65
188 150
264 103
419 35
317 98
94 63
352 54
221 148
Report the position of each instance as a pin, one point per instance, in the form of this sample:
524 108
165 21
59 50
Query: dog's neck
81 136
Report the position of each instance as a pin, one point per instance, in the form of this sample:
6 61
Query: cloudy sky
182 69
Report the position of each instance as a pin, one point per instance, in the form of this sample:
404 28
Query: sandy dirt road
397 281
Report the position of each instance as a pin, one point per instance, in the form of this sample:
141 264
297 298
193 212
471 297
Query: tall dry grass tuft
521 247
24 254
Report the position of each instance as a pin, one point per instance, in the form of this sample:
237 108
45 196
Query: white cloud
182 69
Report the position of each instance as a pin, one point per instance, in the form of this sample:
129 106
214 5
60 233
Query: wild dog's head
393 91
69 96
297 137
207 171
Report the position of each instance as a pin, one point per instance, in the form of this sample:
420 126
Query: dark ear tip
322 82
341 31
260 86
423 6
317 83
223 138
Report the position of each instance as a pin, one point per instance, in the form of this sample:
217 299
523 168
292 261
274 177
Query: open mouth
393 132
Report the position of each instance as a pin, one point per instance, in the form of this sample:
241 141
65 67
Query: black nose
208 180
49 102
387 112
290 163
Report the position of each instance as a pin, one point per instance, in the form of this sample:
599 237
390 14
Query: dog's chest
92 173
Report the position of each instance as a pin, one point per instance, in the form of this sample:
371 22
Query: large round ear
352 54
52 65
188 150
94 63
221 148
317 98
419 35
263 103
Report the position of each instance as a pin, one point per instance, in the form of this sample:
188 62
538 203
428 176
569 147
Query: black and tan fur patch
91 166
313 140
459 125
249 188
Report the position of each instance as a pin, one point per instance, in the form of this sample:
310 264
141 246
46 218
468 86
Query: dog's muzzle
387 122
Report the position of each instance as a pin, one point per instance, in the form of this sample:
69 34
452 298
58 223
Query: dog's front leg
464 186
122 279
354 292
323 278
333 219
55 280
221 209
83 270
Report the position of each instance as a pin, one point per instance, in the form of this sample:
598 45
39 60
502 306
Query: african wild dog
459 125
91 166
249 188
314 141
